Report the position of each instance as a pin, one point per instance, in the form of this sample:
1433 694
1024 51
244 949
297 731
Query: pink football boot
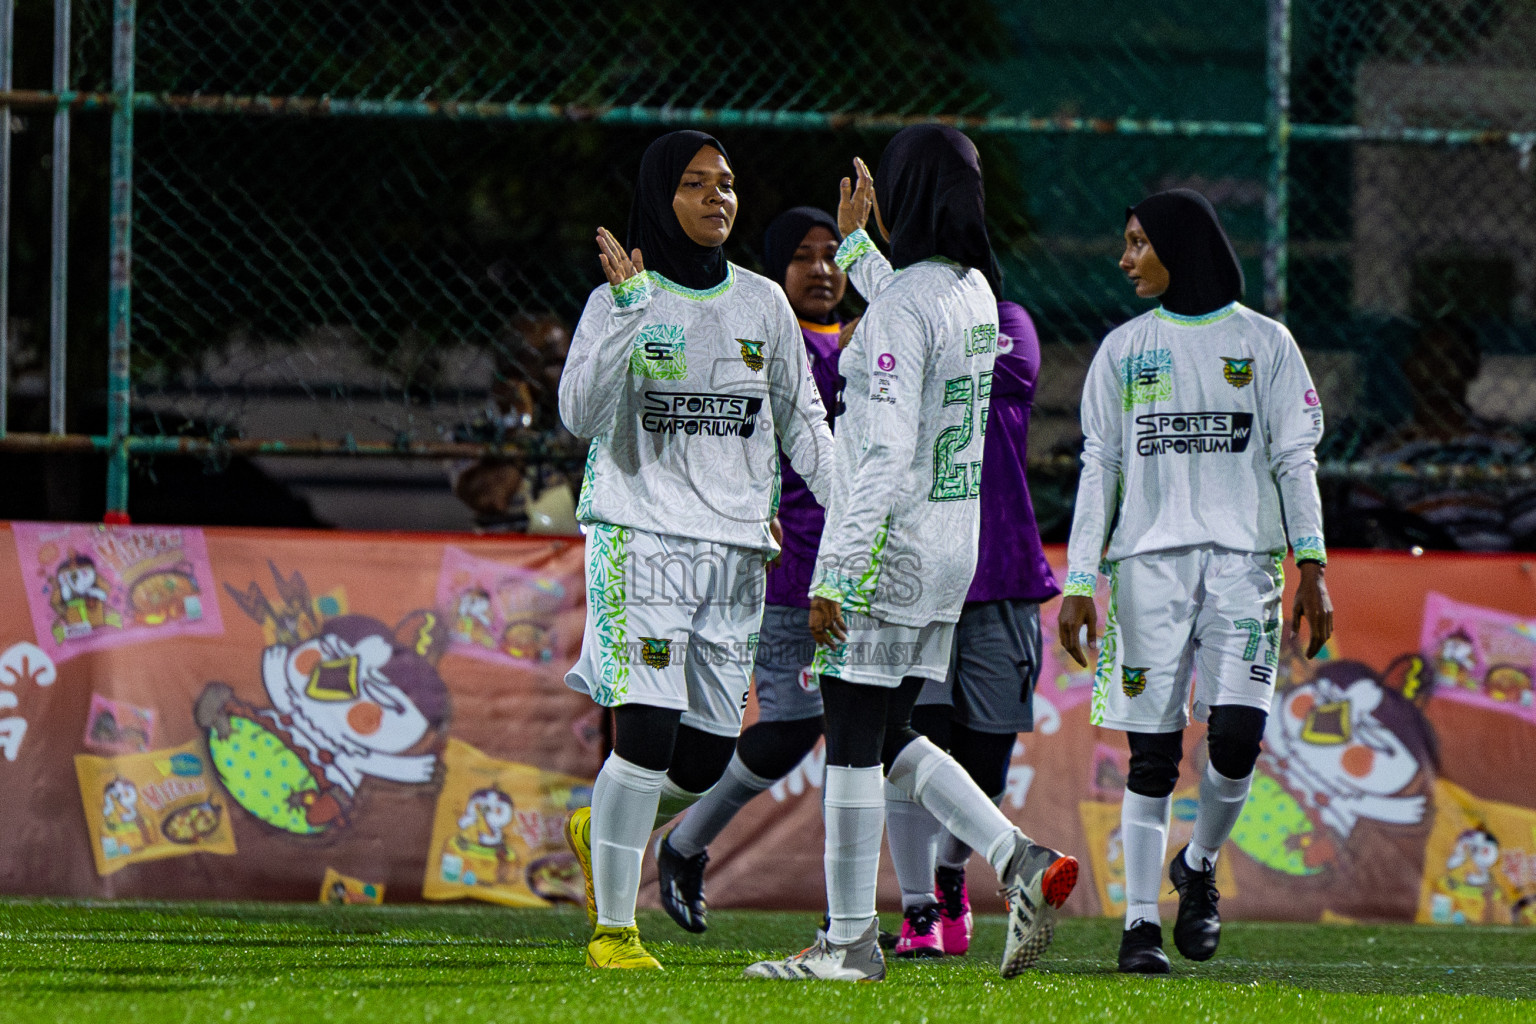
920 933
954 910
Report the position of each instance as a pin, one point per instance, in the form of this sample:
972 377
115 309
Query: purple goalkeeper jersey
1010 563
799 515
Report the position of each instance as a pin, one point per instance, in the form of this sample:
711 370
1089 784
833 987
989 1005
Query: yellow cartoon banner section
499 832
281 714
149 806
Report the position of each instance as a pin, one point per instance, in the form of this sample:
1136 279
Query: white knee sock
623 806
709 818
936 780
854 806
1221 804
1144 838
912 834
672 801
953 853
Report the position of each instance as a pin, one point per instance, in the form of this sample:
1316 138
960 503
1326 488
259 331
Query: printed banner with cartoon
245 714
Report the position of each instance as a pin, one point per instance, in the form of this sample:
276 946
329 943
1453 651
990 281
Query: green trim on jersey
1104 668
696 293
607 604
1197 321
854 248
864 590
588 483
1311 548
632 290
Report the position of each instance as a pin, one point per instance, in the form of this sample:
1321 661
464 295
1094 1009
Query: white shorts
672 623
1207 611
880 653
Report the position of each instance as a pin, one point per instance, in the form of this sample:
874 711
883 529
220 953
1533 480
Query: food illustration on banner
152 805
498 834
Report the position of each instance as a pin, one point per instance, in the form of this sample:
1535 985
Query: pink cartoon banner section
245 714
90 588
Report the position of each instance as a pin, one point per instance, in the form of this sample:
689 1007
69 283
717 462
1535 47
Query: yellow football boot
578 836
620 948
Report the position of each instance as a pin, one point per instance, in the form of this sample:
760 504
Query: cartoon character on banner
1470 890
358 700
528 608
480 850
80 603
472 622
121 821
294 618
1456 663
1343 746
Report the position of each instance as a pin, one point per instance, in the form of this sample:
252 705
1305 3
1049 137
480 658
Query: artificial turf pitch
215 962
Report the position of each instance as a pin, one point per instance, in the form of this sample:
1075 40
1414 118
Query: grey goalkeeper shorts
786 689
993 667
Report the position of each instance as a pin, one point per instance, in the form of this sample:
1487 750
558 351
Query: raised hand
616 265
856 201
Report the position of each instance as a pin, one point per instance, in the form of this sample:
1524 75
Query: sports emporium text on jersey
681 412
1158 433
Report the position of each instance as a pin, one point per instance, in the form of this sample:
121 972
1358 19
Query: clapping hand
616 265
856 201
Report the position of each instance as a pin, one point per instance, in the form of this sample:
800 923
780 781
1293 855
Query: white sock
623 806
912 835
946 790
854 806
1144 837
673 800
709 818
953 853
1221 804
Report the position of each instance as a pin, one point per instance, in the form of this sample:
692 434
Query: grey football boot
1037 882
859 960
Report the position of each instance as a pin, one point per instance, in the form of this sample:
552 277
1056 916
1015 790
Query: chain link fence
352 221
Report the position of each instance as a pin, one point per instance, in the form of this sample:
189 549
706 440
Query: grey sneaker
860 960
1037 882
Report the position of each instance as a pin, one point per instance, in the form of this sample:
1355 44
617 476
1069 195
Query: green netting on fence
345 214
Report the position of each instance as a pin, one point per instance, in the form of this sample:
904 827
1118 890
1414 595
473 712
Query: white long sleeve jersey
1197 431
904 513
683 392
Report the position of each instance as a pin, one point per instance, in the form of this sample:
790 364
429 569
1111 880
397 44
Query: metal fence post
1277 193
59 290
120 288
7 53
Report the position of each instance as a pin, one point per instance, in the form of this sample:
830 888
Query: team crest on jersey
1133 680
1238 372
751 353
655 652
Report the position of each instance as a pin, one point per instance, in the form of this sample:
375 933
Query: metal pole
7 52
120 244
59 292
1277 196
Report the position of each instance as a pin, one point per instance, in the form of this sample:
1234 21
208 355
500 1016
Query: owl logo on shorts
1133 680
656 653
1238 372
751 354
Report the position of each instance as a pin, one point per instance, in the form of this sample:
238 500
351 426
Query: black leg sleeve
1234 738
984 756
645 735
898 719
771 750
1154 762
855 722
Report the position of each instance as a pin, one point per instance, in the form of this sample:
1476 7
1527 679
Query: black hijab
653 225
931 199
1186 234
786 232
